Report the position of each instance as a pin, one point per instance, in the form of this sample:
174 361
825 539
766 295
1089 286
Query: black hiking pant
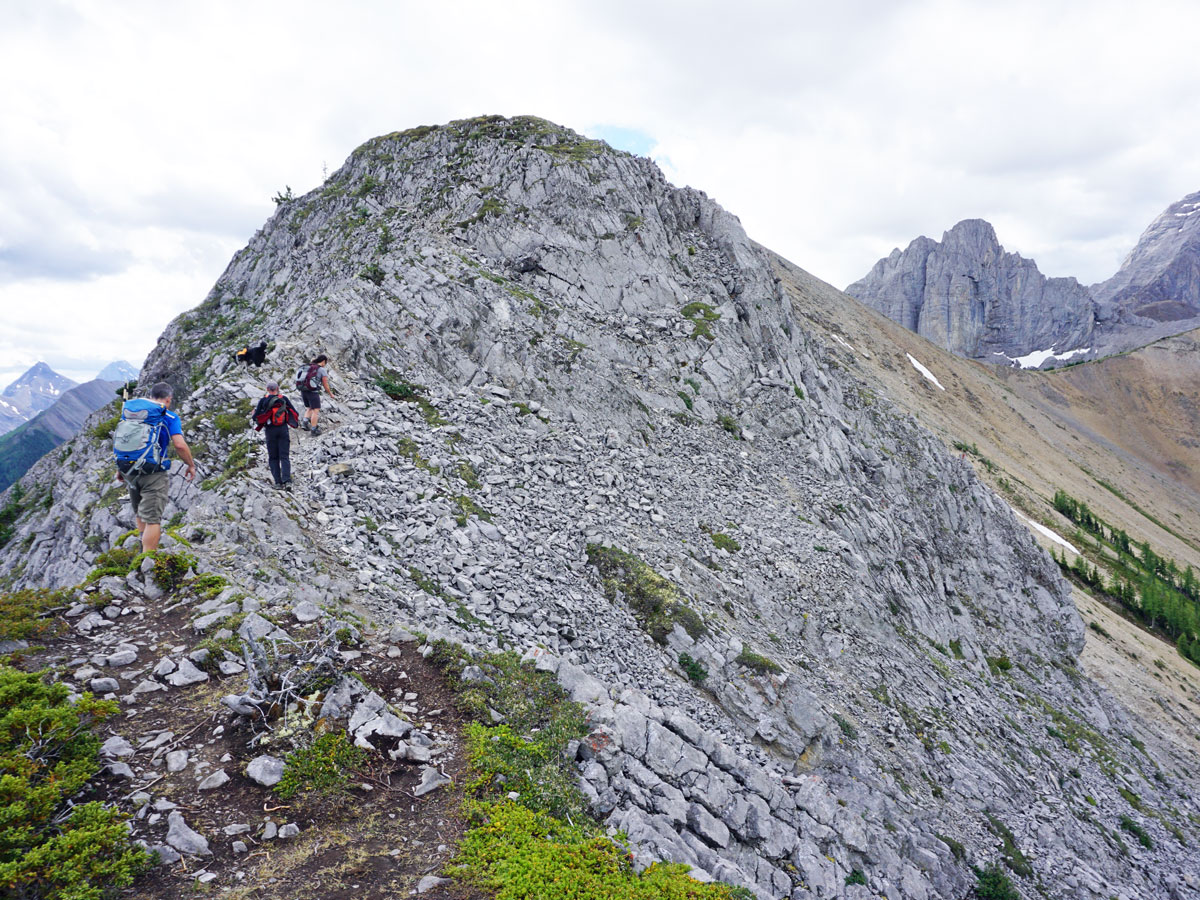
279 445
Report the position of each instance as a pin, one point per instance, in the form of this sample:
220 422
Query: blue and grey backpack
137 440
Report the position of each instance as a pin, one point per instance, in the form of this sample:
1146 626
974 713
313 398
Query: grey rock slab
306 611
124 657
104 685
711 829
167 855
116 746
290 830
431 780
265 770
256 627
215 780
186 674
177 760
183 838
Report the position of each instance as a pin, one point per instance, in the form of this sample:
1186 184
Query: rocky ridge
597 359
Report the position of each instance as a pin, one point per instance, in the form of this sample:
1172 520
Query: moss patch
657 603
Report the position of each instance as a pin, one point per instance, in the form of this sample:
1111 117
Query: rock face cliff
970 297
1160 279
594 368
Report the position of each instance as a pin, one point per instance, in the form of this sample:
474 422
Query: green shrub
998 664
517 853
725 542
527 753
465 508
9 514
956 848
115 561
323 766
47 754
467 473
701 315
397 388
846 725
170 569
856 877
730 424
992 884
103 429
238 420
1013 857
1137 831
23 614
544 844
692 669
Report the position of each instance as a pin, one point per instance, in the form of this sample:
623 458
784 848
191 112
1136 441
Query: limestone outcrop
557 374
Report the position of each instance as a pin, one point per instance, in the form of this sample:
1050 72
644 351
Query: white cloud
142 140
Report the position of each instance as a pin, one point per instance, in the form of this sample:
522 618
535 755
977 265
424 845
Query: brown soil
371 839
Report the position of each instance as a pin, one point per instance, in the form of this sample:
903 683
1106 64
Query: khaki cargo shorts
148 493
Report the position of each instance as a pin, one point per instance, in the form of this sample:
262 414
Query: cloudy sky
142 141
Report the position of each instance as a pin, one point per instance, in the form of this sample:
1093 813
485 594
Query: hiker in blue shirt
144 471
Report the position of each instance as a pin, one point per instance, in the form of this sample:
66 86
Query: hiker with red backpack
310 379
275 415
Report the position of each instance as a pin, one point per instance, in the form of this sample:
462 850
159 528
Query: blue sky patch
628 139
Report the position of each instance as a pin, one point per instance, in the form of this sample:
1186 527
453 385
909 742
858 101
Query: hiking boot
307 425
316 431
285 486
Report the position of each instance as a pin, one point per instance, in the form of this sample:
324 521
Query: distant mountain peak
119 370
38 388
1159 281
968 295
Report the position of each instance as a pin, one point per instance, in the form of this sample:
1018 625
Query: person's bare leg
151 533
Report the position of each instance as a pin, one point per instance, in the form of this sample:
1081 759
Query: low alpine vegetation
323 766
657 603
521 848
48 753
757 662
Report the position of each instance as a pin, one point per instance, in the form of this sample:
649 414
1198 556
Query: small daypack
278 413
306 377
137 443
